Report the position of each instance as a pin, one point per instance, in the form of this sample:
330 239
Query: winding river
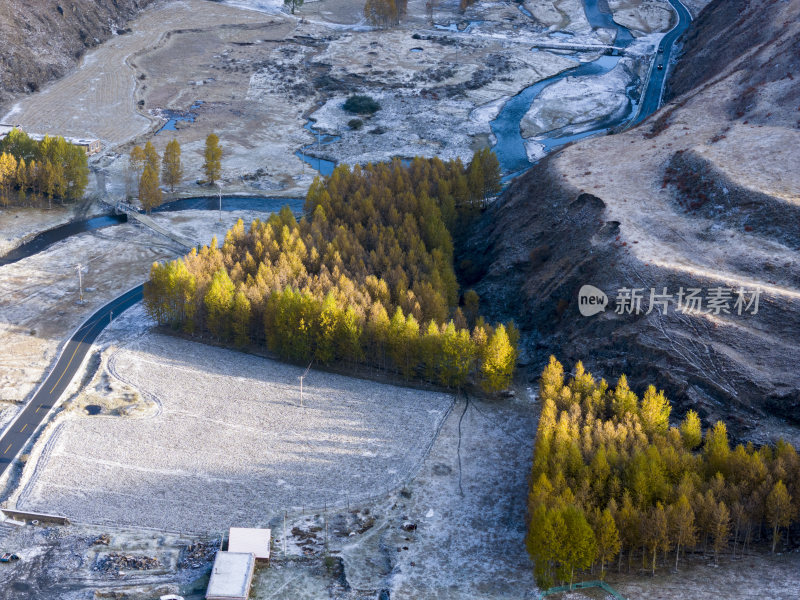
510 146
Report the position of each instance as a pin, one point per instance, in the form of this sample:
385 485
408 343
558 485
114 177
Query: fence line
581 585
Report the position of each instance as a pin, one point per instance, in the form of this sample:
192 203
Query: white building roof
231 576
254 541
6 129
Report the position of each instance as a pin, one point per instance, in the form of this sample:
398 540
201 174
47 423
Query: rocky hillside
704 194
41 39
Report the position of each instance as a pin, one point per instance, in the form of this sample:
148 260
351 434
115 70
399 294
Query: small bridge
614 50
128 209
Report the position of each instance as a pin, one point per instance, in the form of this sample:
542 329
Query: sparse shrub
355 124
361 105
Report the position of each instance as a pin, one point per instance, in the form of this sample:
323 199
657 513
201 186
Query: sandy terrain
643 16
576 104
229 443
560 15
97 99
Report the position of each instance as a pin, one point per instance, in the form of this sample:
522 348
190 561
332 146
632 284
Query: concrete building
231 576
255 541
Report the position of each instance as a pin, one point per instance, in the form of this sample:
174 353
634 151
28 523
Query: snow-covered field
228 442
456 530
39 295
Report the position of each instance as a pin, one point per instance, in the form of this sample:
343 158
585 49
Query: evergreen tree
172 173
498 361
608 542
624 401
717 449
241 319
152 158
471 306
691 431
681 522
654 412
779 510
212 165
578 546
150 195
656 532
136 163
722 529
219 302
490 167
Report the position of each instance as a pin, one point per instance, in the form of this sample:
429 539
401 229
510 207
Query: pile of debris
118 562
197 554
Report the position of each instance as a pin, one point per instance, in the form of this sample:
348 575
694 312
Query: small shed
255 541
231 576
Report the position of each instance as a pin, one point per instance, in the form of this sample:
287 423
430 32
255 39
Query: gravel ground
229 443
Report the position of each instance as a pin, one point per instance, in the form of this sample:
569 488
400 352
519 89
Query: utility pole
219 188
301 381
284 534
79 267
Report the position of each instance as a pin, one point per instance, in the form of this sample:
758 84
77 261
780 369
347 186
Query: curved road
651 97
21 429
25 424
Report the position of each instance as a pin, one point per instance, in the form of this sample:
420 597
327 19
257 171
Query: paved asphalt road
655 87
20 430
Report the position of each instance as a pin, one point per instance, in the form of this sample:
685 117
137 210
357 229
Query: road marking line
9 448
37 410
24 427
78 345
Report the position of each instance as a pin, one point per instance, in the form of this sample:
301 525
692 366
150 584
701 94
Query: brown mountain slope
705 193
41 39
